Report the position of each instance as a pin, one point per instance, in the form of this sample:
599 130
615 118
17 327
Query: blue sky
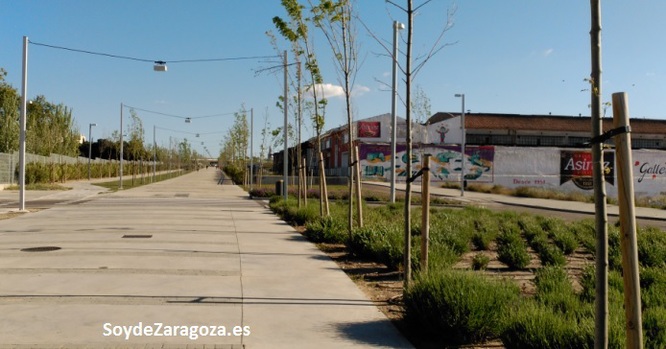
512 56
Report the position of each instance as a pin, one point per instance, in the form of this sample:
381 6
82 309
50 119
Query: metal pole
394 93
251 146
425 214
120 184
462 145
90 146
24 93
286 125
154 154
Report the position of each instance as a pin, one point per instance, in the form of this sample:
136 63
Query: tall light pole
154 153
24 93
90 146
285 168
120 183
251 146
462 146
394 96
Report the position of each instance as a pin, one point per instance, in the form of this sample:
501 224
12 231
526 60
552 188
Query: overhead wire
178 116
157 61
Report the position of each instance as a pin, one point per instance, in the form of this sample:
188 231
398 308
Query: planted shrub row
468 308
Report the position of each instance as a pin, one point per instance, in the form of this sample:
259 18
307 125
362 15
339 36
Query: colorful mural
445 163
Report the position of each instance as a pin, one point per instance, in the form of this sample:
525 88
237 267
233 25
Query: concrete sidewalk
480 199
184 252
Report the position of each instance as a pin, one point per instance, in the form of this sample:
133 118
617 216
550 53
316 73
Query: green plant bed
40 186
456 305
129 183
461 306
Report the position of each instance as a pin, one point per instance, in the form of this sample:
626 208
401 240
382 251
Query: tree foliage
9 115
50 129
236 142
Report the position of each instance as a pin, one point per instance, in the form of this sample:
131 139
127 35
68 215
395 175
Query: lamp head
160 66
460 94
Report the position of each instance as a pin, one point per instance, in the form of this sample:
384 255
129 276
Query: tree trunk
408 190
601 219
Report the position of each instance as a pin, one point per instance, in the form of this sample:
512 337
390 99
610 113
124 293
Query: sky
511 56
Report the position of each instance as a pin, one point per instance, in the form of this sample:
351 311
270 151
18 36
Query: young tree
296 31
336 21
410 72
135 146
235 142
136 134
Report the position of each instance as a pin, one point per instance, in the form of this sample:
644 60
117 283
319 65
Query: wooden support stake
425 213
305 183
359 197
325 211
628 244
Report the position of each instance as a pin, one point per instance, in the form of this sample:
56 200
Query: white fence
564 169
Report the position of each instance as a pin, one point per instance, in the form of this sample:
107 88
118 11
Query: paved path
183 252
546 204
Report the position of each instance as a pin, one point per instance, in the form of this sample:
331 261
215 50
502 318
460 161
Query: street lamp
24 93
90 146
120 183
462 146
394 93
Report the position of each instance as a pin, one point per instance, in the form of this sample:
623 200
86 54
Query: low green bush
565 240
614 251
480 261
548 254
326 229
536 326
654 327
652 247
585 233
653 287
383 243
461 306
512 251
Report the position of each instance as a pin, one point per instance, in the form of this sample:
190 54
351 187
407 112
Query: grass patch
39 186
462 306
137 182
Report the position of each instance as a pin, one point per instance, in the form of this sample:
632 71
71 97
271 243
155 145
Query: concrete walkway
173 257
547 204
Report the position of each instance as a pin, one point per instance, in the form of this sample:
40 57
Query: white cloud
360 90
332 91
326 90
548 52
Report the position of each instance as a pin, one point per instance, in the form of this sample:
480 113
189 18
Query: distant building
481 129
548 130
